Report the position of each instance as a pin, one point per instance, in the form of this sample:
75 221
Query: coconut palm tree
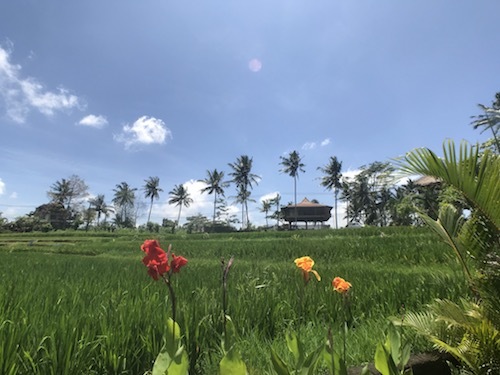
277 201
124 199
179 196
152 190
244 179
292 165
100 207
469 330
266 207
215 185
332 180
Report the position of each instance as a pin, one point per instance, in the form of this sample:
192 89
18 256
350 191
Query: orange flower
340 285
306 264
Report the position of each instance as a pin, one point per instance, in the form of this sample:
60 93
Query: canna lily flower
306 264
340 285
156 260
177 262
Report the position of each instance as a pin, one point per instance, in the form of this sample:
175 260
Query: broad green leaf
173 359
394 340
232 363
309 365
384 362
295 346
278 364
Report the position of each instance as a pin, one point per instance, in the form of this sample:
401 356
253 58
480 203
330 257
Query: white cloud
2 187
268 196
21 95
309 146
93 121
145 130
325 142
13 195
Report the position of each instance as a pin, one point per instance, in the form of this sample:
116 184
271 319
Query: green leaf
384 362
173 359
309 365
278 364
296 347
394 341
232 363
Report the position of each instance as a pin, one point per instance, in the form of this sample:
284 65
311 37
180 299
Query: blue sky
123 90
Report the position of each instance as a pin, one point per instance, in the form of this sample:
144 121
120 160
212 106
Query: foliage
490 120
124 200
392 356
331 180
292 165
475 243
152 190
243 178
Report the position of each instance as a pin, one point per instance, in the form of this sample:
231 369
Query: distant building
307 212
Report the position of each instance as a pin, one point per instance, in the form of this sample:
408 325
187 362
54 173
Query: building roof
427 180
307 203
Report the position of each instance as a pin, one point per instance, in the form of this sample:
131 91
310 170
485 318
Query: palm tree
124 198
331 180
100 207
179 196
152 190
215 185
243 178
292 165
277 201
61 192
468 331
266 207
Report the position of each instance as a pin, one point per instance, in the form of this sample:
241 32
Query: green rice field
83 303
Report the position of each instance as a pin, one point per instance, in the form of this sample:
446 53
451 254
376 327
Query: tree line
374 196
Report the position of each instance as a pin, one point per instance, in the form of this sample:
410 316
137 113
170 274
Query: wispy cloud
145 130
23 94
309 146
2 187
313 145
94 121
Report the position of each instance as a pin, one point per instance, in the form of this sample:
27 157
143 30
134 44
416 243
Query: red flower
156 260
177 262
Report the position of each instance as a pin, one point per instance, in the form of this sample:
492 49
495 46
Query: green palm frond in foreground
470 331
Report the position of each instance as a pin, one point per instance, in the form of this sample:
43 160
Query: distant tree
332 180
53 213
277 214
215 185
68 190
266 207
179 196
490 120
244 179
292 165
152 190
196 224
124 200
98 204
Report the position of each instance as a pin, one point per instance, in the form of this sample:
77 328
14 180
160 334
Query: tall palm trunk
150 208
215 206
295 198
336 217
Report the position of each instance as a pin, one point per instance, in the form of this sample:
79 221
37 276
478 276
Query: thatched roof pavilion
306 211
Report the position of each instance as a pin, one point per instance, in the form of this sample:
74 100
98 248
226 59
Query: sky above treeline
119 90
